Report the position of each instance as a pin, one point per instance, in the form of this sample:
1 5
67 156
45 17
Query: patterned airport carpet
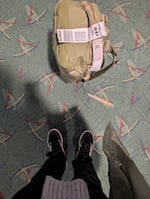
33 97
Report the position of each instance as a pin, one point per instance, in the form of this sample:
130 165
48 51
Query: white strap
81 35
97 30
97 46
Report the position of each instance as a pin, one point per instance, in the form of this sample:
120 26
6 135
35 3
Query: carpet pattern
33 98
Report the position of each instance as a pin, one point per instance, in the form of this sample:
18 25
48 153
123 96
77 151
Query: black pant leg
83 168
54 166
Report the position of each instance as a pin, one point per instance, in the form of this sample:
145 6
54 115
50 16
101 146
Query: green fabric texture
125 179
33 98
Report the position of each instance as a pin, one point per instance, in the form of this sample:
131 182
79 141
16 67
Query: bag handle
89 10
103 70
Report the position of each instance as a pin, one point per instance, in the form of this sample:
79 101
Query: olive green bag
126 181
80 40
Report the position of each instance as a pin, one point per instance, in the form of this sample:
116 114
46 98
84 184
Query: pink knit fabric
56 189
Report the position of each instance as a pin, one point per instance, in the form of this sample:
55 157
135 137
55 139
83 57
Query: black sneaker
55 142
85 145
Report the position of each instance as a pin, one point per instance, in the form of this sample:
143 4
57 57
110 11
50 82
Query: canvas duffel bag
80 40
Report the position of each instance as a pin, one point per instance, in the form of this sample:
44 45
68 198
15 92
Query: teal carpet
33 98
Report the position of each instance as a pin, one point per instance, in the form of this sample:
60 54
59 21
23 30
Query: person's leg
83 167
54 166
